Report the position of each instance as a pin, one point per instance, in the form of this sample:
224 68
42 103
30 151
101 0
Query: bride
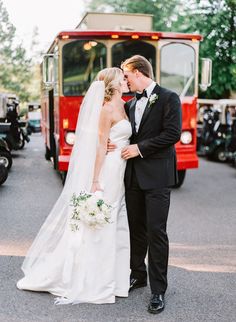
88 265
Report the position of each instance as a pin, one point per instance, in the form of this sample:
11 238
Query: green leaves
164 12
15 67
214 19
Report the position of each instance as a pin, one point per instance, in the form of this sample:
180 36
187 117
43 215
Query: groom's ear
137 73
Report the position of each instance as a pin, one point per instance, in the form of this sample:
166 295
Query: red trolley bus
105 40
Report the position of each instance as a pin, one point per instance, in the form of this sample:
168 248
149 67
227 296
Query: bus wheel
47 153
63 176
181 175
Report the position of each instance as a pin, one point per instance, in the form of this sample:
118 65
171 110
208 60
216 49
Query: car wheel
220 155
21 144
3 174
6 159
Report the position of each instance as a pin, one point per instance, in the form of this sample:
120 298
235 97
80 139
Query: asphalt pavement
201 226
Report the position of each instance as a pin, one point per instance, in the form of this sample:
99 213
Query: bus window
178 68
126 49
82 59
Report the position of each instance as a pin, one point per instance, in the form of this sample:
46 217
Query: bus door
51 126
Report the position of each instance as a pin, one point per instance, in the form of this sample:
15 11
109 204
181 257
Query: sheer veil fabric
86 266
82 157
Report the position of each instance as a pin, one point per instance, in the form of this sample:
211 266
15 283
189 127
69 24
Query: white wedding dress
86 266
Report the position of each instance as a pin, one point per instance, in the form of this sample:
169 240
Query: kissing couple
126 151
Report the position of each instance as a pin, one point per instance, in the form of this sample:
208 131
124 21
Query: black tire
6 159
9 144
47 153
3 174
21 144
63 176
181 175
220 155
55 157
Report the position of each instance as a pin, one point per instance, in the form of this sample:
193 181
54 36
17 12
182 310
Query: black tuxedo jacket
159 130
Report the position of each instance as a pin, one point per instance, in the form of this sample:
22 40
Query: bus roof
126 34
116 21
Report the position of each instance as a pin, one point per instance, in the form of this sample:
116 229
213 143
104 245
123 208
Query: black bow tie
140 95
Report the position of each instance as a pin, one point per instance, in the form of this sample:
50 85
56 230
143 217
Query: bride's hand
96 187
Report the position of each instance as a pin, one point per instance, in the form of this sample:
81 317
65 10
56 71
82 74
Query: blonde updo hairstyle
112 78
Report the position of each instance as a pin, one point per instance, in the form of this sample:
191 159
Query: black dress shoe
136 283
157 304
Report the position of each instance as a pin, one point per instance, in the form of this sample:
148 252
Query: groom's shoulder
166 93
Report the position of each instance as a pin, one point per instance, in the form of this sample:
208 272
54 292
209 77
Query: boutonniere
152 99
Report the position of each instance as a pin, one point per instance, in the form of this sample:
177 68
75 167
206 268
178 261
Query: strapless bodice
120 133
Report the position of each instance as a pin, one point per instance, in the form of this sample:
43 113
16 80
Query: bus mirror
206 73
48 69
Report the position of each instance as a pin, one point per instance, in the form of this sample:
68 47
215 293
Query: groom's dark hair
140 63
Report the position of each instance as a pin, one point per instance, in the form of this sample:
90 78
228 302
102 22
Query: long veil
79 177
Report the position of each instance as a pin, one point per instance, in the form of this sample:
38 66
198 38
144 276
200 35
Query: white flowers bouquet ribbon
91 209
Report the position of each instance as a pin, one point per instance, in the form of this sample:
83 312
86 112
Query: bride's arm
105 123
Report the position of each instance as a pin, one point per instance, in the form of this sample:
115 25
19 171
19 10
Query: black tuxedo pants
147 215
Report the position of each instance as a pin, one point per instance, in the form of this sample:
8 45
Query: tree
214 19
36 56
7 31
15 71
164 12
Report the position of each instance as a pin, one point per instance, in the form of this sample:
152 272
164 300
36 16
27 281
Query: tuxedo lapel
132 114
149 107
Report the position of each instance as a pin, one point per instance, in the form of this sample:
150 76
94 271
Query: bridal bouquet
90 209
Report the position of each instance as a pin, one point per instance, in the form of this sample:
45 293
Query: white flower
98 194
152 99
90 209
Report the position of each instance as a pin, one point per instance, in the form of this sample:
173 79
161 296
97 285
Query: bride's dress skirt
88 265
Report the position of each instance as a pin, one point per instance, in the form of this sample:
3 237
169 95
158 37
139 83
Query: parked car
34 118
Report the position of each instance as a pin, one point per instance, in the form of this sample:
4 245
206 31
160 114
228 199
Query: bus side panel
68 111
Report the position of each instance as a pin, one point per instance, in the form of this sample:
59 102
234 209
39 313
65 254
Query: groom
155 116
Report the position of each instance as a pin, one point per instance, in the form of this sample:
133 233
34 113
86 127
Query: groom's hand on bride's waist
130 151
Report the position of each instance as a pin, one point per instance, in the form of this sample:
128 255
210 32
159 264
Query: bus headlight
186 137
70 138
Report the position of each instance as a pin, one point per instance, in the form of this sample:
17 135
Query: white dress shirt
141 104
